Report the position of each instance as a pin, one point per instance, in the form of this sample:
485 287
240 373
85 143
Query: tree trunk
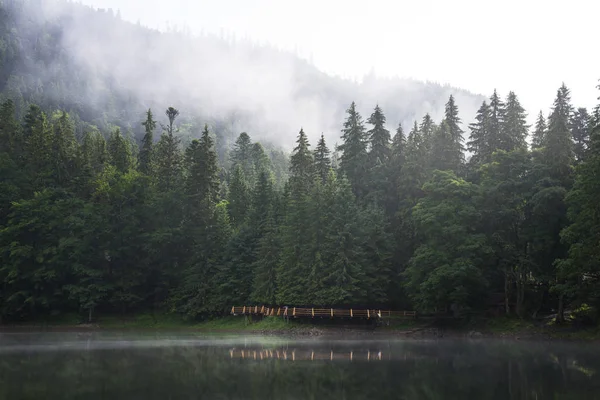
560 314
506 293
90 314
520 295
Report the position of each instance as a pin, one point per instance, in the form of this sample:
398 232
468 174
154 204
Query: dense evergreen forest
105 209
404 221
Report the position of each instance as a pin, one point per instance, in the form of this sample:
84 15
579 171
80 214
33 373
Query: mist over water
161 366
234 85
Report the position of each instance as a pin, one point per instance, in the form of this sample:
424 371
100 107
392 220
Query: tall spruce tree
168 156
301 166
353 160
202 227
119 152
580 132
146 156
9 128
293 272
447 147
427 131
322 159
65 151
479 142
496 121
239 197
539 133
378 157
514 126
242 155
379 138
393 171
558 145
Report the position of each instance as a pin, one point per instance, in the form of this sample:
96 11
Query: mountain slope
108 71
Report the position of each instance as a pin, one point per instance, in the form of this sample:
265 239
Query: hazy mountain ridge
108 71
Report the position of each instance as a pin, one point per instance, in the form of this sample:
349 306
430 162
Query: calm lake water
179 366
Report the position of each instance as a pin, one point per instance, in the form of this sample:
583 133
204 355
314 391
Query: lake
109 365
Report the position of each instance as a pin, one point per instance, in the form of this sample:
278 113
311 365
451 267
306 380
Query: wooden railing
297 312
306 354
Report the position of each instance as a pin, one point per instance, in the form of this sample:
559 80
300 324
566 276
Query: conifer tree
379 139
496 119
427 131
378 157
95 154
342 272
414 170
266 264
263 197
260 160
65 151
447 150
580 132
558 144
239 197
394 170
146 156
453 121
293 272
168 156
322 159
119 152
301 166
479 142
37 142
514 126
539 133
242 155
202 225
9 128
353 160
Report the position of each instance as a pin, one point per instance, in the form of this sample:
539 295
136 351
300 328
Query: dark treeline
402 221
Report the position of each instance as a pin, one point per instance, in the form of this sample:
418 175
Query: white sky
529 46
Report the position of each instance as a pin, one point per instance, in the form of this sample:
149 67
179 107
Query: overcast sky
529 46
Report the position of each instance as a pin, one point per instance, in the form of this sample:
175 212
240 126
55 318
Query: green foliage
446 270
91 224
353 161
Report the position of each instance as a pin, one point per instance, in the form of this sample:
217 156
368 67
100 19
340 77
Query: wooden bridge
296 312
312 355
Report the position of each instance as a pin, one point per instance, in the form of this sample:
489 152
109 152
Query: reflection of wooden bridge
296 312
312 355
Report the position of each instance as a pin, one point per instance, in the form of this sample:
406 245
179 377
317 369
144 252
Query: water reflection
117 366
304 355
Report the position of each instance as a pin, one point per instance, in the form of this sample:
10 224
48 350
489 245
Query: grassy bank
501 327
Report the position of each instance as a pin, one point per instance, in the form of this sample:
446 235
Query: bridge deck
296 312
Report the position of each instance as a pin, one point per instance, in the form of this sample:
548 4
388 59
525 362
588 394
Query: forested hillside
104 209
106 72
384 221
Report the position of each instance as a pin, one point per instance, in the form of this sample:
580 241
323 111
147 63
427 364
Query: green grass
402 325
143 321
240 323
508 325
172 321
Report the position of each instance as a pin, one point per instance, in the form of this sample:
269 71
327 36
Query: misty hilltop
108 72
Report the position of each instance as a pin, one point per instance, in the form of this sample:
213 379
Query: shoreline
414 330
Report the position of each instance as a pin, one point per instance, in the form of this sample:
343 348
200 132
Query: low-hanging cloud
270 94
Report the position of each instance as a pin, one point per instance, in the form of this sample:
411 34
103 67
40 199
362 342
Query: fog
235 85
